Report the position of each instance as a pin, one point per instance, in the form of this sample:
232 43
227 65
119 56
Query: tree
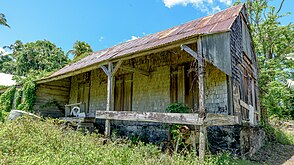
3 20
34 58
273 43
80 50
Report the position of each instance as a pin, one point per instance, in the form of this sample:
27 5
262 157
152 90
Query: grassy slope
27 141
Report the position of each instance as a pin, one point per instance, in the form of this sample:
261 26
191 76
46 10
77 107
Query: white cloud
228 2
6 79
171 3
101 38
3 52
216 9
133 38
206 6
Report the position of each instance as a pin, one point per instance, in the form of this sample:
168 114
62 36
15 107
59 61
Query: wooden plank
189 50
74 104
135 70
117 67
109 97
54 87
221 119
244 105
170 118
52 92
253 103
181 84
203 130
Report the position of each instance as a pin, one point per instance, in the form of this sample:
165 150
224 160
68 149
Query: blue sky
102 24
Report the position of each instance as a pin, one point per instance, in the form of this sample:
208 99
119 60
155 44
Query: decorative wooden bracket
189 50
111 70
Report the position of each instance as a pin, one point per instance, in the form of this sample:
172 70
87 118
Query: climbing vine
175 129
24 99
6 101
29 96
17 97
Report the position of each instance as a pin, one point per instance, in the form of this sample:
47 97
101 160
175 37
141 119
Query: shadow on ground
275 154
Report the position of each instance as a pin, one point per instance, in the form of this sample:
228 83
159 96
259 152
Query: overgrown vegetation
23 98
177 108
29 141
278 131
6 100
29 96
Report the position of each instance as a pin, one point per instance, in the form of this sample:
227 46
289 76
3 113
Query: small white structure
6 79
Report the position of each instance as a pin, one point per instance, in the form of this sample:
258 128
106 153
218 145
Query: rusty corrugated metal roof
218 22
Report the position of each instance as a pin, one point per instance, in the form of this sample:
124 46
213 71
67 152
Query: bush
29 141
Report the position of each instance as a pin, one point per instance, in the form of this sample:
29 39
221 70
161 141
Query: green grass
28 141
275 132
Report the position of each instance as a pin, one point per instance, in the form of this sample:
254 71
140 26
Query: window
123 92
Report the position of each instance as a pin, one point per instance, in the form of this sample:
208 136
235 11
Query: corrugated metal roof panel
217 22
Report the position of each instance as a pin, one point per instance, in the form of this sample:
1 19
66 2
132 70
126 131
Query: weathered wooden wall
244 71
51 98
153 92
216 50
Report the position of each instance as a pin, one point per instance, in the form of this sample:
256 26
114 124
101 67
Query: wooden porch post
202 113
110 71
203 130
109 96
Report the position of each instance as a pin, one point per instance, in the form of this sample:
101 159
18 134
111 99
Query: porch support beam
145 73
202 114
189 51
110 72
170 118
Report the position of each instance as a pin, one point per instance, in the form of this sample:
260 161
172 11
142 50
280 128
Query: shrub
29 141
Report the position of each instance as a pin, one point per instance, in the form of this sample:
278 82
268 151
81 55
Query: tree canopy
80 50
32 57
3 20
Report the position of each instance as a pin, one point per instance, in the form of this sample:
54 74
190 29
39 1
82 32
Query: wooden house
208 64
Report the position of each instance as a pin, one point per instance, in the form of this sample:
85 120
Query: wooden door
123 93
84 92
183 87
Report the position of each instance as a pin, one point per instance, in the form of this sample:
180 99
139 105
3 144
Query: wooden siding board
216 50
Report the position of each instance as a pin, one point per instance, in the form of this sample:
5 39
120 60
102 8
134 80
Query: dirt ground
275 154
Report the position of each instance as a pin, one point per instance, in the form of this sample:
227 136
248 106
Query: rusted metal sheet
171 118
218 22
216 50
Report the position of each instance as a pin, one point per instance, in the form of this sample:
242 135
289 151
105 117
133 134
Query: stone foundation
239 140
